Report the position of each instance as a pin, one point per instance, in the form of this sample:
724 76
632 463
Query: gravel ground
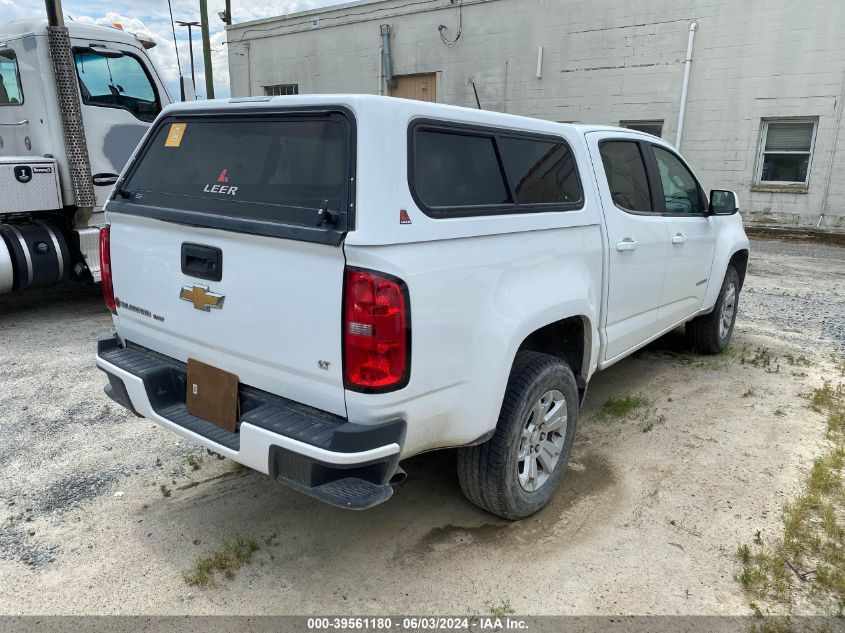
647 521
798 289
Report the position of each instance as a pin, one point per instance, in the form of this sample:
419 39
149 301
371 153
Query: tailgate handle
203 262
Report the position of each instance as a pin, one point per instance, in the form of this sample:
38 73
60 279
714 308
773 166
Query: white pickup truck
359 279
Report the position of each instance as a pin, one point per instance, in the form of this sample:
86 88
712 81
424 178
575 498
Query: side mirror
723 202
186 87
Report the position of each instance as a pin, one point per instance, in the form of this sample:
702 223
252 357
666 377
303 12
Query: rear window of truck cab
254 174
459 170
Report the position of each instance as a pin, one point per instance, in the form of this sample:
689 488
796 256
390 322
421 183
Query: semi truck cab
75 101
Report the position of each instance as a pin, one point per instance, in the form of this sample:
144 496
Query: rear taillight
376 332
105 268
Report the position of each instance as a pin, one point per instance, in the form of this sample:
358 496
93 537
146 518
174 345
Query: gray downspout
385 54
838 120
76 147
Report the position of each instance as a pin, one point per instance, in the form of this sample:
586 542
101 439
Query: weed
797 361
225 560
757 357
165 491
501 609
749 393
158 462
780 412
194 461
839 364
813 529
826 397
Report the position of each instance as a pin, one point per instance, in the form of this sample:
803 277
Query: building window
10 81
786 151
655 128
281 90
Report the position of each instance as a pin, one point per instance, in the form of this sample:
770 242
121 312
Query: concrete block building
760 110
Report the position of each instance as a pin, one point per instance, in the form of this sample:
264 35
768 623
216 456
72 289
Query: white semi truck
75 100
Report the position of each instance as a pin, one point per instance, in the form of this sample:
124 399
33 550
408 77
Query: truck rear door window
626 175
281 169
480 171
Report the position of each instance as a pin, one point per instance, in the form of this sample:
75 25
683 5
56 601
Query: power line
176 46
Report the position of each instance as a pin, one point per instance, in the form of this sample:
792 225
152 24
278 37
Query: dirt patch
647 521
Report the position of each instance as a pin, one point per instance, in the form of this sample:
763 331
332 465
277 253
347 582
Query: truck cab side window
10 83
680 188
626 175
116 82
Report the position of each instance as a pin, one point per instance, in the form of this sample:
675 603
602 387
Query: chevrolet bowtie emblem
202 298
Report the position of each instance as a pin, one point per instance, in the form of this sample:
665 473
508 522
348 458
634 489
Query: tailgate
226 240
280 319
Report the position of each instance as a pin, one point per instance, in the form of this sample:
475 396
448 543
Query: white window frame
761 152
268 90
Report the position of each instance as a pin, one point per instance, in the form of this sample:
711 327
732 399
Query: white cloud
151 19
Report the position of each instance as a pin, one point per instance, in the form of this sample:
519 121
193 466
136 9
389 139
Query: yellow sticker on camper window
174 136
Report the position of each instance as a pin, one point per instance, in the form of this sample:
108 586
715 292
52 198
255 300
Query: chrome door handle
679 238
24 122
626 245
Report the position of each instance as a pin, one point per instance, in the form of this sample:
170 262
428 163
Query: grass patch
501 609
634 407
225 561
623 407
194 460
780 412
749 393
809 560
165 491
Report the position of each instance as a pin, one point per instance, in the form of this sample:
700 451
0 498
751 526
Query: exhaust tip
398 477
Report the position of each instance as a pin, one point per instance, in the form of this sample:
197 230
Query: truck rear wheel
515 473
711 333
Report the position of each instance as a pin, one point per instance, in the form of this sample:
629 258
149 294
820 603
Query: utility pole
206 51
190 47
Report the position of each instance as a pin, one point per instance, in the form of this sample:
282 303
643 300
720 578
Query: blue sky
152 18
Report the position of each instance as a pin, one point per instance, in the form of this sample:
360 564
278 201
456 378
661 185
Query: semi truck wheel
515 473
711 333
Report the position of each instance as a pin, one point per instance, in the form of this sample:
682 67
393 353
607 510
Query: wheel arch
569 339
739 260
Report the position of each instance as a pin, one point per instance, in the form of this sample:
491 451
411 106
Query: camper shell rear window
283 174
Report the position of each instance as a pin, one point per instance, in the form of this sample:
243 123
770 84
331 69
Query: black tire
490 473
705 334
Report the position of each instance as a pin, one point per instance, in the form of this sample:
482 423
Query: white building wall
605 61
